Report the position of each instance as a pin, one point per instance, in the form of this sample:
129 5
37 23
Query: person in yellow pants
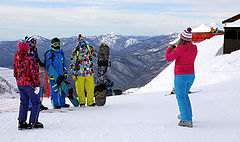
82 70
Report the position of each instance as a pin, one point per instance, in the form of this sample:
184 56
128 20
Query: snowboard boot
82 105
23 125
57 107
42 107
30 108
186 124
93 104
36 125
65 106
173 91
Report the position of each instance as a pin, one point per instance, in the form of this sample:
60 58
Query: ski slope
147 115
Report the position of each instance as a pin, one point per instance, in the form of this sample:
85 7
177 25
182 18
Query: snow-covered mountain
121 47
117 42
147 114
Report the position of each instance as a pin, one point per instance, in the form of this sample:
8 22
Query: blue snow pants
182 84
57 95
26 93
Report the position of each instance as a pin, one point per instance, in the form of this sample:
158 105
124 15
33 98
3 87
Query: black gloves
60 80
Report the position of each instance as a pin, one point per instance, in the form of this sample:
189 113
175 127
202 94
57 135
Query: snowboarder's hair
181 42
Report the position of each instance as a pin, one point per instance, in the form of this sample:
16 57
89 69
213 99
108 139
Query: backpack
53 56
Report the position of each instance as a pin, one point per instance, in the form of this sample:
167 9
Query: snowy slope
141 117
8 85
207 67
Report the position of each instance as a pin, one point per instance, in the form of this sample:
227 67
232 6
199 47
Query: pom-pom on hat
23 47
187 34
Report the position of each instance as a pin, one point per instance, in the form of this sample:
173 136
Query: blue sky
66 18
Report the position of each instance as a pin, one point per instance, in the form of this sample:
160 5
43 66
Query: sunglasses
55 44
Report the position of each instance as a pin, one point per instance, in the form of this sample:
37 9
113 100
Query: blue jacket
58 61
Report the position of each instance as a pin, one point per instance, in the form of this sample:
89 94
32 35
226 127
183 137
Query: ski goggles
56 44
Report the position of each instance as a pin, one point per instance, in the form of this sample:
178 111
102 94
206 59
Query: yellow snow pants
88 82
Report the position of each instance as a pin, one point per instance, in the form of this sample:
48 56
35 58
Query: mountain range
135 60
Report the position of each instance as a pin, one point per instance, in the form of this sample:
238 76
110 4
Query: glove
70 93
74 78
60 80
51 77
65 76
37 89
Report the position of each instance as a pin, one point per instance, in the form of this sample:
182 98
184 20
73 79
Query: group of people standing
26 72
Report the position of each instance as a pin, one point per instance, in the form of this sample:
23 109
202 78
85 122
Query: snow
110 39
199 29
207 27
146 114
131 41
233 24
202 28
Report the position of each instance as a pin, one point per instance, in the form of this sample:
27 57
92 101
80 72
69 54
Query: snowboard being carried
100 88
64 87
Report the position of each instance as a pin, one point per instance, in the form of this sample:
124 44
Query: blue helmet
30 40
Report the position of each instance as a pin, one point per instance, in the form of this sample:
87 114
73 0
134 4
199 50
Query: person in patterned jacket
82 70
26 74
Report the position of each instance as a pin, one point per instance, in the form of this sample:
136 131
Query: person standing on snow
31 41
82 70
26 74
184 54
55 57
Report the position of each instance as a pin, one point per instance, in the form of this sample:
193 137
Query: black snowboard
117 92
100 88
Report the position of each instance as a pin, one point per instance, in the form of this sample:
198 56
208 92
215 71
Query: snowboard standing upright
100 89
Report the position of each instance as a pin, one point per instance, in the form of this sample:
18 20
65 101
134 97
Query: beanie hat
55 40
23 47
81 40
187 34
30 40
